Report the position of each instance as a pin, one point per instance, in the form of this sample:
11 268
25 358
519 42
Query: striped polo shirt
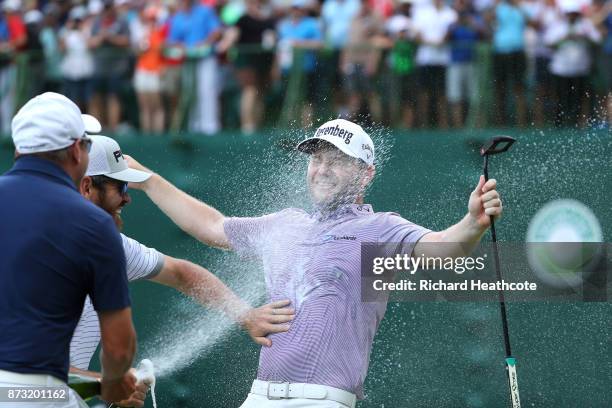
141 263
314 261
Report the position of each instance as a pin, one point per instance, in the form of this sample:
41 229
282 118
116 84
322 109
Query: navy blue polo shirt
55 249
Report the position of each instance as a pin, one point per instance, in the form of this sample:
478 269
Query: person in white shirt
105 184
77 65
571 38
431 24
541 14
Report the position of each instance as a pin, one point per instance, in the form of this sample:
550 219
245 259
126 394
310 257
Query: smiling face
334 178
108 194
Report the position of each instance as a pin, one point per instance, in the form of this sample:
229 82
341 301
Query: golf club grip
513 382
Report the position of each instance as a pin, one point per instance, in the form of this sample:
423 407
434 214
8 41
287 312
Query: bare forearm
196 218
200 284
87 373
115 365
456 241
118 339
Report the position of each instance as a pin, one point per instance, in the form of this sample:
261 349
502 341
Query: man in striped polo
313 258
105 184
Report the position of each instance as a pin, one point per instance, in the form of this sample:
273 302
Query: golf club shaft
502 301
510 361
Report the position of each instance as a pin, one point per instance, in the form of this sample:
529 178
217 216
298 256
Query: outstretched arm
200 284
461 238
196 218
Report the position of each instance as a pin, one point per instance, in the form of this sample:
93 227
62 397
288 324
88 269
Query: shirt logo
329 237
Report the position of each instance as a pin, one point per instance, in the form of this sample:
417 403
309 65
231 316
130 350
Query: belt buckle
274 397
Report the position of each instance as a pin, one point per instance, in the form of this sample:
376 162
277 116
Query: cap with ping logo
107 159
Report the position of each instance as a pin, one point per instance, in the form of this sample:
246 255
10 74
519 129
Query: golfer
105 184
57 249
314 260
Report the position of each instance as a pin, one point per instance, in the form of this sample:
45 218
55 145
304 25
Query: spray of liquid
145 373
190 332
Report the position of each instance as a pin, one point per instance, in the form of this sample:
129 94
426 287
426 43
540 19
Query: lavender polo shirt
315 262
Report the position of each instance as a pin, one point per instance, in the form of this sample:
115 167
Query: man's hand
119 389
268 319
133 164
484 202
138 397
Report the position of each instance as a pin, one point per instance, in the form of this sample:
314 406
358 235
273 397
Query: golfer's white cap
348 137
105 158
48 122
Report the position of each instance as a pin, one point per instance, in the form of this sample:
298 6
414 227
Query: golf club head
497 144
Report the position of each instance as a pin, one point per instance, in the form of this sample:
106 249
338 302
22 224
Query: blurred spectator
77 65
336 31
383 8
50 44
509 60
543 14
572 37
431 23
461 76
13 37
359 62
34 49
603 18
300 34
171 75
110 41
147 75
608 59
254 34
195 28
401 59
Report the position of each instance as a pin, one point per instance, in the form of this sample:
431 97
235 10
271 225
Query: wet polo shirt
314 261
56 248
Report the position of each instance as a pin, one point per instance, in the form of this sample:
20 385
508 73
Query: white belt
274 390
30 379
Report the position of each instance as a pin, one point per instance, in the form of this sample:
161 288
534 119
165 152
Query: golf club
500 144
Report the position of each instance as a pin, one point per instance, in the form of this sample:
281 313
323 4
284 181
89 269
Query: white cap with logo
49 122
105 158
348 137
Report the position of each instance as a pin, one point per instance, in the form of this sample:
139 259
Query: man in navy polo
57 248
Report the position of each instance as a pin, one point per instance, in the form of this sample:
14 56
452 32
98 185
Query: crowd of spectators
406 63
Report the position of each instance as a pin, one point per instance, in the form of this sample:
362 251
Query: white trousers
204 116
74 401
261 401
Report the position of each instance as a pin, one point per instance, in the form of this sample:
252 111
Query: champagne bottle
87 387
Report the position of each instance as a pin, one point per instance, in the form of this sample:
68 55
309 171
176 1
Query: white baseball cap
348 137
49 122
106 158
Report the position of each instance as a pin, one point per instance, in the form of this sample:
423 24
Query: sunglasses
123 187
85 143
100 180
